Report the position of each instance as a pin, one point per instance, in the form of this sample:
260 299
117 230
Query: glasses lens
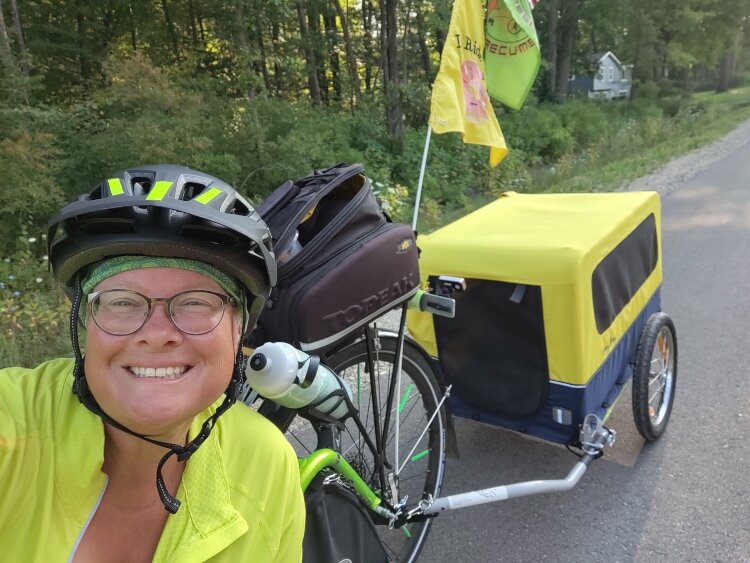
196 312
119 311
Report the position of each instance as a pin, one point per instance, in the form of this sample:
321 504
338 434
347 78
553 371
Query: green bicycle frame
324 458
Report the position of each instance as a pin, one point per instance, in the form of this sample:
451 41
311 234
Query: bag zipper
324 236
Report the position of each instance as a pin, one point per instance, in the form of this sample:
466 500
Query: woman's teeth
158 373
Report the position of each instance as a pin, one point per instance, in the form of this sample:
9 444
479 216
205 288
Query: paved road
683 498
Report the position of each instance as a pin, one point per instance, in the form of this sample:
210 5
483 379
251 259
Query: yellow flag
459 95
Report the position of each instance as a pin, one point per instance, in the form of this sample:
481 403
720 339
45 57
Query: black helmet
165 210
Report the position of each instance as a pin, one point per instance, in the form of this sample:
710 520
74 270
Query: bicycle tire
422 475
655 376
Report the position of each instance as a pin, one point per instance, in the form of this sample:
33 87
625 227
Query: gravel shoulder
676 172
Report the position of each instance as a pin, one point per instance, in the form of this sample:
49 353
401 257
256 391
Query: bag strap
277 199
288 204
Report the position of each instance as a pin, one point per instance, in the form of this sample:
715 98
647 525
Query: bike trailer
559 289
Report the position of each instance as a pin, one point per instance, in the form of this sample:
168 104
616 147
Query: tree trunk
636 74
424 52
725 65
367 11
19 38
246 55
278 74
317 42
553 8
262 61
405 45
568 25
171 30
5 52
133 31
83 50
329 19
351 61
312 75
193 25
201 27
394 112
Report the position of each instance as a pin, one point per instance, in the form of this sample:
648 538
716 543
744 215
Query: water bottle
293 250
293 379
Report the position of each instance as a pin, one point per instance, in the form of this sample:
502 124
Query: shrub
33 315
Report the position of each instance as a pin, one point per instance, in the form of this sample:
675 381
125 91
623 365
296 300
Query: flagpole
421 178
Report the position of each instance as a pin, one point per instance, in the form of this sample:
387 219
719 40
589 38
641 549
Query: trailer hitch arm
594 436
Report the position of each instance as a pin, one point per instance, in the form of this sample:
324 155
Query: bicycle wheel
655 376
418 456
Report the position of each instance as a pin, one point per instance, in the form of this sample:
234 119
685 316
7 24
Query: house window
611 74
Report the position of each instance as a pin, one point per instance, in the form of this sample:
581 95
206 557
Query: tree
391 79
568 28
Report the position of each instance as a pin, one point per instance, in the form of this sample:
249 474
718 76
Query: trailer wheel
655 376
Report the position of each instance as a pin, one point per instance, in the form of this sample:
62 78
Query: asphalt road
682 498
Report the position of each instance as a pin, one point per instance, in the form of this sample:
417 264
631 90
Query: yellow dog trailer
559 290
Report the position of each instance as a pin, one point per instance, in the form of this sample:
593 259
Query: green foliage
225 87
538 131
33 315
29 163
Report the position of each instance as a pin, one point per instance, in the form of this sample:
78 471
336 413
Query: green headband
118 264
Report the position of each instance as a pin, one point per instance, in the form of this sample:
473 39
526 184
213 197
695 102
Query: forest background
260 91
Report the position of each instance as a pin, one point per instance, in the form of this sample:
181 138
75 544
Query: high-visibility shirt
240 492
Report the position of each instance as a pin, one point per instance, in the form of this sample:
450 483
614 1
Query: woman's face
160 406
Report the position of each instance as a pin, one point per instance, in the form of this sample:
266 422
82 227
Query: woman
167 269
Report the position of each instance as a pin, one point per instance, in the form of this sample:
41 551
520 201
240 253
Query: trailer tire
655 376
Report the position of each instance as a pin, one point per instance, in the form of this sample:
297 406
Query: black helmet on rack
165 210
169 211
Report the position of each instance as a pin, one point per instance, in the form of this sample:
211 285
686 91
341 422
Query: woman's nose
159 327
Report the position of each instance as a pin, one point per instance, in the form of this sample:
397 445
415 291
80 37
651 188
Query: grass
718 115
626 155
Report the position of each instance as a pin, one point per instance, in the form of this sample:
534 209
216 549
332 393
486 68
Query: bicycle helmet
171 211
165 210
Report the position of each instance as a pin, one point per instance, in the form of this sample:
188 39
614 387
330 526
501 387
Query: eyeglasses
121 311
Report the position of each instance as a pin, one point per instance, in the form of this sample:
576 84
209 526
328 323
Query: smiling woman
167 269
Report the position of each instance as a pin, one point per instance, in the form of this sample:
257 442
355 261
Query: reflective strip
208 195
115 187
159 190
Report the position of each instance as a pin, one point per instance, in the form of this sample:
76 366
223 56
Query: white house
612 78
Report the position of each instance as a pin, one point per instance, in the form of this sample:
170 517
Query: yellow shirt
240 492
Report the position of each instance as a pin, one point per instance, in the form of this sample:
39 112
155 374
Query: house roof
599 57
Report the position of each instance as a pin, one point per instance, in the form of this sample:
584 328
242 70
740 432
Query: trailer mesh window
494 351
623 271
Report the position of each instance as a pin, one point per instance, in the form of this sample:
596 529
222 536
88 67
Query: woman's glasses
121 311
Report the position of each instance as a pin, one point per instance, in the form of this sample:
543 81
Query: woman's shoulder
31 396
37 383
241 424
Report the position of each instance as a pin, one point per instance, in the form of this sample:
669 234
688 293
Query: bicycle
390 446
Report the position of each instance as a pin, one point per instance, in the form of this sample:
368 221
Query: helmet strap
183 453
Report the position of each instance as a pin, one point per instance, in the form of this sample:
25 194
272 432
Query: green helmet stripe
115 186
208 196
159 190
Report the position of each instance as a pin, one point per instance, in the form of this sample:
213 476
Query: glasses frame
225 300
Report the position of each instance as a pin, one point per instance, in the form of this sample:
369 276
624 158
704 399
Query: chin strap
183 453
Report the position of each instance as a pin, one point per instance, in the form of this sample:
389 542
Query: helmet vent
238 208
106 226
210 235
96 193
141 185
191 190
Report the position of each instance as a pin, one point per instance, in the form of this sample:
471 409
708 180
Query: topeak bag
338 527
341 261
